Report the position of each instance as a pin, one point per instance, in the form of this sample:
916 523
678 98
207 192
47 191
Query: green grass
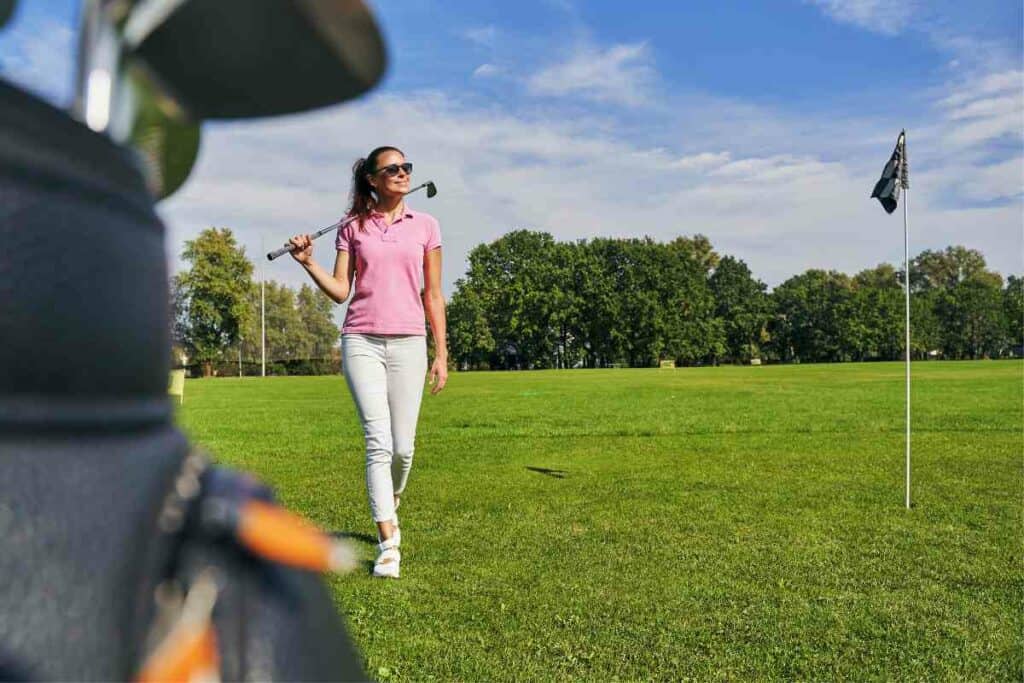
714 524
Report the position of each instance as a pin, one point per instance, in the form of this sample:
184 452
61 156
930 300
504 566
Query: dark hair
363 197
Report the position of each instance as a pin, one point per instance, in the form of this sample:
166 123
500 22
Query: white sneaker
388 560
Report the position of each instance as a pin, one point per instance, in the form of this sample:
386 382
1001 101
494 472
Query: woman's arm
433 301
336 286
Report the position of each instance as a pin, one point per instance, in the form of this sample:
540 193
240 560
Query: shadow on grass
355 536
557 474
365 538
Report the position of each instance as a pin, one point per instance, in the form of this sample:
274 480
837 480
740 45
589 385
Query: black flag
895 175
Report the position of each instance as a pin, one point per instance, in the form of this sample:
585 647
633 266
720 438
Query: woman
386 246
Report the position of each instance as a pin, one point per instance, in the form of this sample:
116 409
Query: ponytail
364 199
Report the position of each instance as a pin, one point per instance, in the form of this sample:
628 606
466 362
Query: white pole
263 319
906 284
263 329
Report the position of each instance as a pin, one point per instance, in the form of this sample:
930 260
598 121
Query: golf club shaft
418 187
289 247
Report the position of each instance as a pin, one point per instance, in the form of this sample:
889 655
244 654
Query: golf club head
431 188
6 10
227 59
166 143
150 71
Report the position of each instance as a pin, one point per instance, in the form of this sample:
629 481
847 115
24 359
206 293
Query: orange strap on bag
278 535
188 652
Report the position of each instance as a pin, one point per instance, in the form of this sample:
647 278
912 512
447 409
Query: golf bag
98 493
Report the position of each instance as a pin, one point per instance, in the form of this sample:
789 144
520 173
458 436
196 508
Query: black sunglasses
391 170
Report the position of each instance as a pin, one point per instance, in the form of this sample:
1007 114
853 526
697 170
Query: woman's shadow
355 536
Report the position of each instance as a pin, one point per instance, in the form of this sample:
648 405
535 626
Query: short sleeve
343 242
433 236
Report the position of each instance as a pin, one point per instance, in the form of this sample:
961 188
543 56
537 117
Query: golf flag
895 175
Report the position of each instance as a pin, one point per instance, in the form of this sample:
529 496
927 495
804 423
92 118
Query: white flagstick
906 283
263 320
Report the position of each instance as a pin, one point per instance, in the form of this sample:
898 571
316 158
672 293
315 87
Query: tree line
529 301
217 315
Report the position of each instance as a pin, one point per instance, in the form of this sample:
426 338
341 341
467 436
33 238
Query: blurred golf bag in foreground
123 554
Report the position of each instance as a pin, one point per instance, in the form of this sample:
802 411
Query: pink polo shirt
389 270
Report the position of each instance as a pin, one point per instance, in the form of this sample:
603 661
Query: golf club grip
279 252
288 248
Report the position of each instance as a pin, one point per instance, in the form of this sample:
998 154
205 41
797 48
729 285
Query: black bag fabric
88 450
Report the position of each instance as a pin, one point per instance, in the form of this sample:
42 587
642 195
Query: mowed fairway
711 523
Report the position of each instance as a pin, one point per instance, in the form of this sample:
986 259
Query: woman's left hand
438 375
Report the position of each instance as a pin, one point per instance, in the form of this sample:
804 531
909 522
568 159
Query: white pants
386 375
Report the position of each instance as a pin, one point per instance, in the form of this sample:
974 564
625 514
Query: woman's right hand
303 249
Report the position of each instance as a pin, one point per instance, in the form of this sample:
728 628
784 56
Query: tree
530 302
812 317
877 315
642 318
287 338
211 296
699 249
567 304
944 269
925 328
972 317
1013 311
742 306
549 304
967 301
249 337
516 282
300 327
469 332
600 321
316 312
692 333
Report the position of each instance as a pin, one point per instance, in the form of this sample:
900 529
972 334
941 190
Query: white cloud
484 36
973 151
950 26
881 16
996 181
781 212
979 111
486 71
702 161
622 74
998 83
985 128
988 107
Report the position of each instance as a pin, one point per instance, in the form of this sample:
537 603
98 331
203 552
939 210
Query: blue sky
762 125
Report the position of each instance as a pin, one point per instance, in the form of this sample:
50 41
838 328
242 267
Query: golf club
288 247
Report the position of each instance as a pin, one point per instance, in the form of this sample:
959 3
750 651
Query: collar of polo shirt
405 214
